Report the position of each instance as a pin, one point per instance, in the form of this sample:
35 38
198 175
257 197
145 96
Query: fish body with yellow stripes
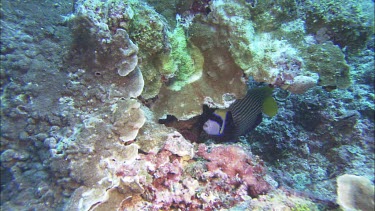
242 116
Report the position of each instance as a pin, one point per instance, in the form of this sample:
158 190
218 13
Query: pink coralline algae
228 176
177 144
177 178
170 187
236 167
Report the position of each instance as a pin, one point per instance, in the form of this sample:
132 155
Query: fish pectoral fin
269 106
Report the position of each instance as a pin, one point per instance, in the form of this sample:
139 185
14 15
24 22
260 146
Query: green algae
167 56
147 29
268 15
185 61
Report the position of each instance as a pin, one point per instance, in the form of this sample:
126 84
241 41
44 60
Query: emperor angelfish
242 116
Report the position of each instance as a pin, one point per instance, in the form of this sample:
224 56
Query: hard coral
347 23
105 50
237 166
278 63
329 62
355 193
127 118
110 28
184 64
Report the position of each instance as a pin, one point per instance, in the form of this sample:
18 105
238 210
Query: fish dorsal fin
269 106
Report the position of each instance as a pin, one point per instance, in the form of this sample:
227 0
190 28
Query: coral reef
234 166
260 55
337 138
188 53
329 61
103 104
174 61
279 200
127 119
278 63
171 60
102 20
346 23
180 182
168 178
104 51
268 16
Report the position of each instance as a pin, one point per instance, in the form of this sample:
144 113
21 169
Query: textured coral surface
103 104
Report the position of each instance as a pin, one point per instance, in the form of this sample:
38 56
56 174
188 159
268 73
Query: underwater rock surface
103 104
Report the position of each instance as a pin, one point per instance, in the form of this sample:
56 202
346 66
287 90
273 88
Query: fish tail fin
269 106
